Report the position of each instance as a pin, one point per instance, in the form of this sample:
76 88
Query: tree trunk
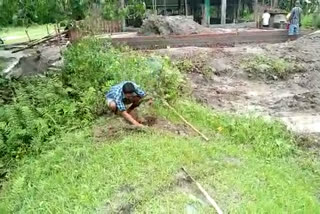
223 11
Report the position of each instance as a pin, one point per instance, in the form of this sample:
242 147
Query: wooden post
165 7
207 11
186 6
256 12
123 19
223 11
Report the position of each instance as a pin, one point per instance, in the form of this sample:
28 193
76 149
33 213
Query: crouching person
122 94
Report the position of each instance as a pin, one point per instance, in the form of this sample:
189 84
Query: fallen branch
185 121
47 38
204 192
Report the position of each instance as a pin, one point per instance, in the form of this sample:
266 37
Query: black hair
128 88
265 11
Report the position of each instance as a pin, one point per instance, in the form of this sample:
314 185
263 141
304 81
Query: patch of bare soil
112 127
294 100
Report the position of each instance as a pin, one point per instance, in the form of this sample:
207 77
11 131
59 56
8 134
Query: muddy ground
222 80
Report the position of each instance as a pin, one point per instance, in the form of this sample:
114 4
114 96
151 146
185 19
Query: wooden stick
47 29
185 121
204 192
28 35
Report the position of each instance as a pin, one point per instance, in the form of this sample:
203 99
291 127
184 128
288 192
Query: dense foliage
26 12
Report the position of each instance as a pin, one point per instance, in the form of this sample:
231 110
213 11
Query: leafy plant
269 67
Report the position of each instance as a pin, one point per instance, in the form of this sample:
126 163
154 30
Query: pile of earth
305 50
171 25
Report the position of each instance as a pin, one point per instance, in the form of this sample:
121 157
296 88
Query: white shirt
265 18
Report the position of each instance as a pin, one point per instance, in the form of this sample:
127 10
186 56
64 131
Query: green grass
13 35
55 165
83 176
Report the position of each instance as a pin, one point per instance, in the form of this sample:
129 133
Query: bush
316 20
307 21
311 20
47 107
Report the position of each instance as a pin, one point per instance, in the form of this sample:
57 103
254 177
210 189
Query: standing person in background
295 21
265 19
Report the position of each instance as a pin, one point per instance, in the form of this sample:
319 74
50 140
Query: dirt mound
171 25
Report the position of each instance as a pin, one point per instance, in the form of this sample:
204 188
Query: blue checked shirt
116 94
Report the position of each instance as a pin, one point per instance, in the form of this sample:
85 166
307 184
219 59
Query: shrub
307 21
316 20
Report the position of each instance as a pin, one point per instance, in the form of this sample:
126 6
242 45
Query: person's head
298 3
129 90
265 11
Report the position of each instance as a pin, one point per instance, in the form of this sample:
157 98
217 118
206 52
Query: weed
267 67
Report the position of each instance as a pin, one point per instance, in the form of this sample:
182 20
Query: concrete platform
222 37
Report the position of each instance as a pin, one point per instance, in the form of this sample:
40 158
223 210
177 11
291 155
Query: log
44 39
185 121
212 202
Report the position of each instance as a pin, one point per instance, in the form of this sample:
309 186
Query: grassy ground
249 165
17 34
82 176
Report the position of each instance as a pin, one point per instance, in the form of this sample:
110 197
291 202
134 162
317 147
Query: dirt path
295 99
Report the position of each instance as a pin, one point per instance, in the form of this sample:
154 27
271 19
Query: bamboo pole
185 121
204 192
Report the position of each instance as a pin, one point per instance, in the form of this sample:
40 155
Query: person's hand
139 125
150 101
